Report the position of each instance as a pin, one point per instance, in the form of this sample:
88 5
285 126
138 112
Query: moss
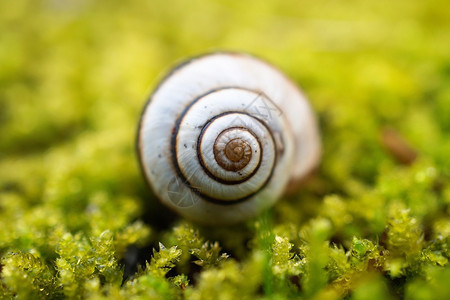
76 217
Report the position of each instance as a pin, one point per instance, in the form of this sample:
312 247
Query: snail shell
223 135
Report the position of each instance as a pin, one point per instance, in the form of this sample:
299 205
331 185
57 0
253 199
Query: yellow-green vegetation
77 220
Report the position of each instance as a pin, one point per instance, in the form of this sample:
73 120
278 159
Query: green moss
26 276
76 217
81 260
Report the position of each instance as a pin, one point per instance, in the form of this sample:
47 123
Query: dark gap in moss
373 265
337 241
427 227
295 280
130 262
396 286
172 273
234 240
155 214
194 271
260 290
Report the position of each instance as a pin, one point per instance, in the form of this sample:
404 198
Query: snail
224 135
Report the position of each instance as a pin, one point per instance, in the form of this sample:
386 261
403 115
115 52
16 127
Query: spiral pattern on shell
216 142
233 152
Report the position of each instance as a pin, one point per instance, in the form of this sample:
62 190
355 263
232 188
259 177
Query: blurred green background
75 74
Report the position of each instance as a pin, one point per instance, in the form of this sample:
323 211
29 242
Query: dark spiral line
197 190
203 164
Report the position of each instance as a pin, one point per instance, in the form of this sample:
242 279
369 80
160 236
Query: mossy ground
77 220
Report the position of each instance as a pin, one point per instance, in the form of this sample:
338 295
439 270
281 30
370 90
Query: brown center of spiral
234 156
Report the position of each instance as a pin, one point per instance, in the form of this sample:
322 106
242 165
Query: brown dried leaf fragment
396 145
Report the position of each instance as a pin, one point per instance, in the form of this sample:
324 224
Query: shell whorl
222 152
222 135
